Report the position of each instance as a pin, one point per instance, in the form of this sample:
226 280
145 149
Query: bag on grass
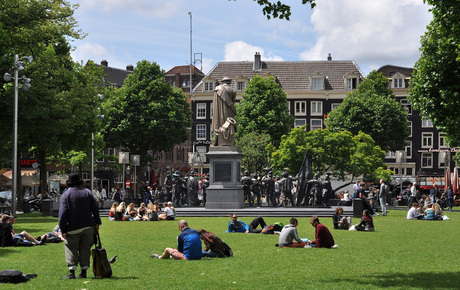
15 276
352 228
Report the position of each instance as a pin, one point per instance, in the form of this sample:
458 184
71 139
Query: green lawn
399 254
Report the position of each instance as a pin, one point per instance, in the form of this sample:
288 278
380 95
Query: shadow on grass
117 278
443 280
8 251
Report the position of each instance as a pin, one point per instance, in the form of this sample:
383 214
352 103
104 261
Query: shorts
177 255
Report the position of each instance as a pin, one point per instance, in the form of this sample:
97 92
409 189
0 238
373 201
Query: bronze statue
223 118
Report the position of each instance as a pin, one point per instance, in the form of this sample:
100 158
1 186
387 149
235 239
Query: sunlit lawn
399 254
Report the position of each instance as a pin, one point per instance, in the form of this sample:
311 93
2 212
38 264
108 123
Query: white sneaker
335 246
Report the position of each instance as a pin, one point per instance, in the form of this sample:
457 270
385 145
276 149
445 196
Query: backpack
14 276
271 229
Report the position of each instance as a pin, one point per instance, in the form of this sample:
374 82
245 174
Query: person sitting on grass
366 223
113 210
168 212
437 211
10 238
413 214
289 238
188 245
214 246
340 222
141 213
323 237
152 214
130 213
120 211
429 212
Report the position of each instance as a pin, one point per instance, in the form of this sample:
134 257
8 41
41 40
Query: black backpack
15 276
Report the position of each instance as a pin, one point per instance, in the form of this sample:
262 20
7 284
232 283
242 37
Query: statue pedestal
224 191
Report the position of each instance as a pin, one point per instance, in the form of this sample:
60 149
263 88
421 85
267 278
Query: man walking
78 216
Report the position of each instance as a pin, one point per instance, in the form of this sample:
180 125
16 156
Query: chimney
329 57
105 63
130 67
257 62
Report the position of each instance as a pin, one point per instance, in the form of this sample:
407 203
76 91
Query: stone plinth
224 191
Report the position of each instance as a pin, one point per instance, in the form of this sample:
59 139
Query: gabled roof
184 69
389 70
115 75
292 75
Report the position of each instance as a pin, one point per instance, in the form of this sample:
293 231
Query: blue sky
372 33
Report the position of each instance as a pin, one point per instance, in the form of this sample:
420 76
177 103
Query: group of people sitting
433 211
342 222
8 236
151 212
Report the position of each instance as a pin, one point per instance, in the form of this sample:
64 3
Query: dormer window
351 81
398 81
209 86
240 86
316 82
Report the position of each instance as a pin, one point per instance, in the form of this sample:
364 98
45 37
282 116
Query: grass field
400 254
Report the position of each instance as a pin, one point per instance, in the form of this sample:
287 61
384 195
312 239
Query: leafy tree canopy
338 152
372 108
147 113
435 86
253 146
277 9
264 110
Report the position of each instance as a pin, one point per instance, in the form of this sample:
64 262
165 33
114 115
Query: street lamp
100 96
18 65
400 156
123 157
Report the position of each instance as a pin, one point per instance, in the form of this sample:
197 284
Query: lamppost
135 161
18 65
400 155
123 157
100 96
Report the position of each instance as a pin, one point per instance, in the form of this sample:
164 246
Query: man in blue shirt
188 245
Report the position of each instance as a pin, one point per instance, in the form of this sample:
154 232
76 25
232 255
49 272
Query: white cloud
87 50
150 8
374 32
241 51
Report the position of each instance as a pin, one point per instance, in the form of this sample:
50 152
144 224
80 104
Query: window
410 128
351 83
426 123
209 86
185 83
316 124
408 149
316 84
201 132
201 111
111 152
316 108
240 86
300 108
158 156
443 156
409 171
427 160
201 152
398 83
390 154
407 106
100 159
180 154
427 140
442 140
300 122
334 106
169 156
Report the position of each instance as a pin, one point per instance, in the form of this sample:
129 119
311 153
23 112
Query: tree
372 108
435 86
278 9
264 110
253 146
147 113
338 152
57 113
